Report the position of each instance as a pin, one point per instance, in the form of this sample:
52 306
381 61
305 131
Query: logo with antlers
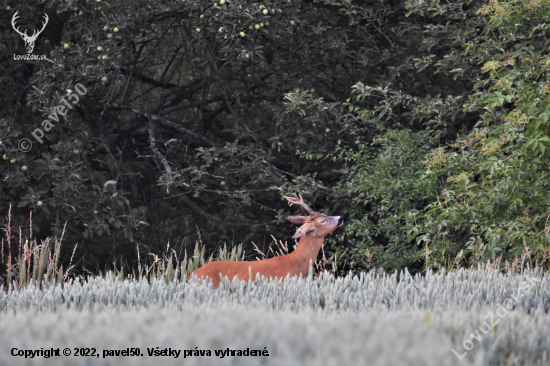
29 40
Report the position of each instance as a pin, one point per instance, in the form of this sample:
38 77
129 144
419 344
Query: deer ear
299 233
302 230
297 219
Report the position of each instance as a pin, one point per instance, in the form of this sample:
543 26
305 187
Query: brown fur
312 233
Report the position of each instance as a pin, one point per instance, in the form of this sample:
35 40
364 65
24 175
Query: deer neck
308 248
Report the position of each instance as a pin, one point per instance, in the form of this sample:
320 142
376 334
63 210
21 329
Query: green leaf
109 182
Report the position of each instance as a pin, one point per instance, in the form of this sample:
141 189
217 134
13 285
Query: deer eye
325 220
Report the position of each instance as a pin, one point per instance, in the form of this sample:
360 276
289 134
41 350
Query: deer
29 40
312 232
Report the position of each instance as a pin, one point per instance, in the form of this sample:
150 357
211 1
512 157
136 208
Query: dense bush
423 123
183 124
460 172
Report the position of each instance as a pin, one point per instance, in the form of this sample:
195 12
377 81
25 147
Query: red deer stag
312 232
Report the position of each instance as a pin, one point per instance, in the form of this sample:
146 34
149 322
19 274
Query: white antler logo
29 40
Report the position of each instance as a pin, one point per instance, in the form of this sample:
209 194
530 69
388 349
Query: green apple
66 46
109 35
223 183
39 203
106 27
5 157
80 13
24 168
76 151
104 79
242 34
292 22
198 30
104 57
47 41
222 2
8 8
265 11
251 27
99 48
69 91
115 29
327 130
13 160
247 55
257 26
95 212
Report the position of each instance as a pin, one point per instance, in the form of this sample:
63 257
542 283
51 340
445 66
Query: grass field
485 316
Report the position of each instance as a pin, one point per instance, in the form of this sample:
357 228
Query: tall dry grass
26 261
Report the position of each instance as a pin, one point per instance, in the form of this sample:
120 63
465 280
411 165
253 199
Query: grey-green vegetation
371 318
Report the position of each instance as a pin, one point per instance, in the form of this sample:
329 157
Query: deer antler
35 33
43 25
300 201
13 19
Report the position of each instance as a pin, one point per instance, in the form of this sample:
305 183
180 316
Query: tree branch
153 147
219 98
205 214
166 122
149 80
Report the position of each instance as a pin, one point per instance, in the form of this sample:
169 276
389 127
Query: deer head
316 224
29 40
